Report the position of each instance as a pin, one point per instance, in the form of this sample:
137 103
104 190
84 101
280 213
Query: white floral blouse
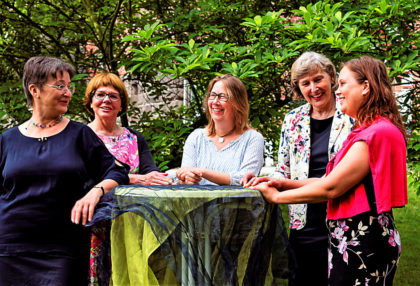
295 150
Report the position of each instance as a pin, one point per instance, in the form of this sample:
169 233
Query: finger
73 215
163 182
250 182
76 213
257 181
91 212
85 209
197 173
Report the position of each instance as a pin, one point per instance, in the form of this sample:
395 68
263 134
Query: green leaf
191 44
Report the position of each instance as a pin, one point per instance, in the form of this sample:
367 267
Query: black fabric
40 182
320 135
310 244
42 269
147 164
364 250
370 193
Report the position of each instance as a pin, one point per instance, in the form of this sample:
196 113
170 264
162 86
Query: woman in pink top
364 181
106 98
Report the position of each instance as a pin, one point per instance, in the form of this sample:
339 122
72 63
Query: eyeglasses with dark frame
62 87
223 97
100 95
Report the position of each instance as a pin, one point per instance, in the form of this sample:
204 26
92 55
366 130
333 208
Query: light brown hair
381 100
238 97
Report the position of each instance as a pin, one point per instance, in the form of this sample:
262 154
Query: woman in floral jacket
364 180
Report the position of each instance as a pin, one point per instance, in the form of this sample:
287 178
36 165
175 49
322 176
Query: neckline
324 119
222 138
42 137
228 144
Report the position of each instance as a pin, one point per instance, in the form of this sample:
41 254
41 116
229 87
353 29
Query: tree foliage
167 41
269 43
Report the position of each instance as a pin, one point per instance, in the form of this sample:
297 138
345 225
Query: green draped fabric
195 235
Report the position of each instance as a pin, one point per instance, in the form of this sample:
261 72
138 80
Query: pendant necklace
222 139
55 122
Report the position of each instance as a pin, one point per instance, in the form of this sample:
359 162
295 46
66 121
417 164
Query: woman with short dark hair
54 172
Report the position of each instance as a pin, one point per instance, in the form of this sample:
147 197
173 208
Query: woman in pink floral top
106 97
365 180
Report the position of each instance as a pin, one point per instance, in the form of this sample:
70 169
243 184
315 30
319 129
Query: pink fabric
124 148
387 160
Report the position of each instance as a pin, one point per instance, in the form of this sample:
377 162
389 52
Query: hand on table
151 179
267 190
274 182
246 178
189 175
84 208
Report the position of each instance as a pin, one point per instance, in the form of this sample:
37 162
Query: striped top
238 157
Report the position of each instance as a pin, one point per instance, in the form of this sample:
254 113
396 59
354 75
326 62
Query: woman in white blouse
227 148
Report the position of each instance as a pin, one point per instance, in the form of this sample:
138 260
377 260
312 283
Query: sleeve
147 164
387 160
100 163
1 165
283 161
189 156
253 158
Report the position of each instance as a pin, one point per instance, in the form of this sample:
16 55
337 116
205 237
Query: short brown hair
308 63
381 100
37 70
106 79
238 97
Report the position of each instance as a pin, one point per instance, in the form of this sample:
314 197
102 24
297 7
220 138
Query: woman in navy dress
54 172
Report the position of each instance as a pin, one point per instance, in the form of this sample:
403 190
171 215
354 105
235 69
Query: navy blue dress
40 181
310 244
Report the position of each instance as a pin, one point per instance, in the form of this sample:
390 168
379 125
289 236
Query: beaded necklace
55 122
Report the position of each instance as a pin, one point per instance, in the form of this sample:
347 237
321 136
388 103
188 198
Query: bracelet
100 187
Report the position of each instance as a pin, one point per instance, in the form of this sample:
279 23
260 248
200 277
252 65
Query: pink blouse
387 160
124 148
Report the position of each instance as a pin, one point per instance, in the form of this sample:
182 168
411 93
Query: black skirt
364 250
43 269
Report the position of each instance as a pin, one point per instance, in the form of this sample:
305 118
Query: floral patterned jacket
295 149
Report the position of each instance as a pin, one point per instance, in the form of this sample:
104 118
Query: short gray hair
308 63
38 69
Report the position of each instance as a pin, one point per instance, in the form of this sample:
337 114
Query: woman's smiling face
106 108
350 92
220 111
316 89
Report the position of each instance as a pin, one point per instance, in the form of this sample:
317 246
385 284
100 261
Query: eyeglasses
62 87
100 95
223 97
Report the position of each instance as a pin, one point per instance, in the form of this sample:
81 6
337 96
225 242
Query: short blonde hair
106 79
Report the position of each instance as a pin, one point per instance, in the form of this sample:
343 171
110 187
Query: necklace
55 122
222 139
